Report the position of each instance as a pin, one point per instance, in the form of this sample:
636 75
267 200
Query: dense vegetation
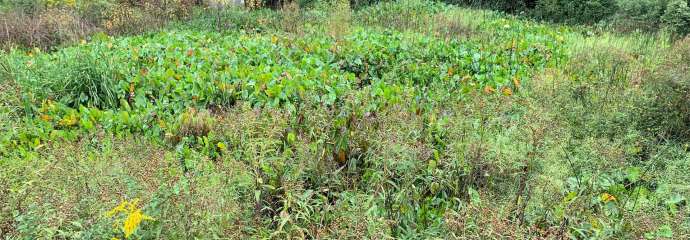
347 119
621 15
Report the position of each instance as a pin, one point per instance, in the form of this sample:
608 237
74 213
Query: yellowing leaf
516 82
606 197
46 117
222 146
69 120
507 91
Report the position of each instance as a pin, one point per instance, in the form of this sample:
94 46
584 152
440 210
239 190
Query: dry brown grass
43 29
451 26
195 123
338 24
292 20
49 27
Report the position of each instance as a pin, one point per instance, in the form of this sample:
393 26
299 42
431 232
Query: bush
44 29
575 11
46 24
503 5
677 17
638 14
21 5
404 14
666 113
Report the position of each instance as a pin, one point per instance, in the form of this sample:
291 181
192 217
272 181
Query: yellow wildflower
134 216
133 220
120 208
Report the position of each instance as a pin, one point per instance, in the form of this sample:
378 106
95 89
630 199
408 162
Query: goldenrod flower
120 208
134 216
133 220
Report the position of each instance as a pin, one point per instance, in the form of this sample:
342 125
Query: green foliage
677 17
578 11
401 14
511 6
392 125
622 15
665 111
638 14
78 78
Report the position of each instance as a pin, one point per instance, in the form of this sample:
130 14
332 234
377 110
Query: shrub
666 113
638 14
127 19
358 4
46 24
503 5
404 14
575 11
677 17
21 5
43 29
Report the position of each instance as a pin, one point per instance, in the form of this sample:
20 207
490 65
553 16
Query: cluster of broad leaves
140 83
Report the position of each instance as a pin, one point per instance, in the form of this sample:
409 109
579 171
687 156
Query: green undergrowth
400 120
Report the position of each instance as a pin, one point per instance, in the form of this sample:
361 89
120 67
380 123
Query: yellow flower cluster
134 216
